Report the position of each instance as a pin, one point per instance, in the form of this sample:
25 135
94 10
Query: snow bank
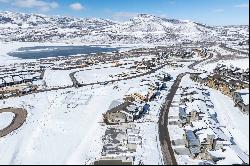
5 119
231 117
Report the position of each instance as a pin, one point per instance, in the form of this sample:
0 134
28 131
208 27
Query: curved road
165 141
76 84
198 62
17 122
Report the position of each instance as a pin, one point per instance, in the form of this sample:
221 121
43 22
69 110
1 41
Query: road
122 79
223 46
19 119
166 146
76 84
200 61
225 57
168 153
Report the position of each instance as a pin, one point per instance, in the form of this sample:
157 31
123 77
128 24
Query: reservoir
39 52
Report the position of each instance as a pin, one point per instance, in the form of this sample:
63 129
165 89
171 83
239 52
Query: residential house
17 79
183 117
8 81
187 118
143 94
2 83
116 64
120 112
141 67
238 84
218 82
115 161
27 78
163 86
192 143
241 100
138 96
245 76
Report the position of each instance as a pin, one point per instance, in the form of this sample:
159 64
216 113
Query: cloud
76 6
218 10
243 5
38 4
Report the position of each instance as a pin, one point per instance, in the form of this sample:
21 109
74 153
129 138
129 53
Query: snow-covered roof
199 124
8 79
196 105
203 75
17 78
27 76
134 140
127 113
36 74
193 141
198 96
131 108
1 81
203 134
245 99
142 91
115 103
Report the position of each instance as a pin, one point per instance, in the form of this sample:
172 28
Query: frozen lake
38 52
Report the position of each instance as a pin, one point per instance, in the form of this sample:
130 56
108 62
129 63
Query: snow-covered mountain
143 28
38 20
156 29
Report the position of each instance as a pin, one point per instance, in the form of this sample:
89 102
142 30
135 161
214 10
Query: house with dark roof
241 100
193 143
120 112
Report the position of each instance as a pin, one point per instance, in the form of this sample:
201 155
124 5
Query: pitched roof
120 107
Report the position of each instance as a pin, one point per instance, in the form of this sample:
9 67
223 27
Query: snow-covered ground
65 126
230 116
99 75
57 78
240 63
150 153
5 119
57 132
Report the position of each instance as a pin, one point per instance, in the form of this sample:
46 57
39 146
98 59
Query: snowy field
56 131
240 63
100 74
57 78
6 119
